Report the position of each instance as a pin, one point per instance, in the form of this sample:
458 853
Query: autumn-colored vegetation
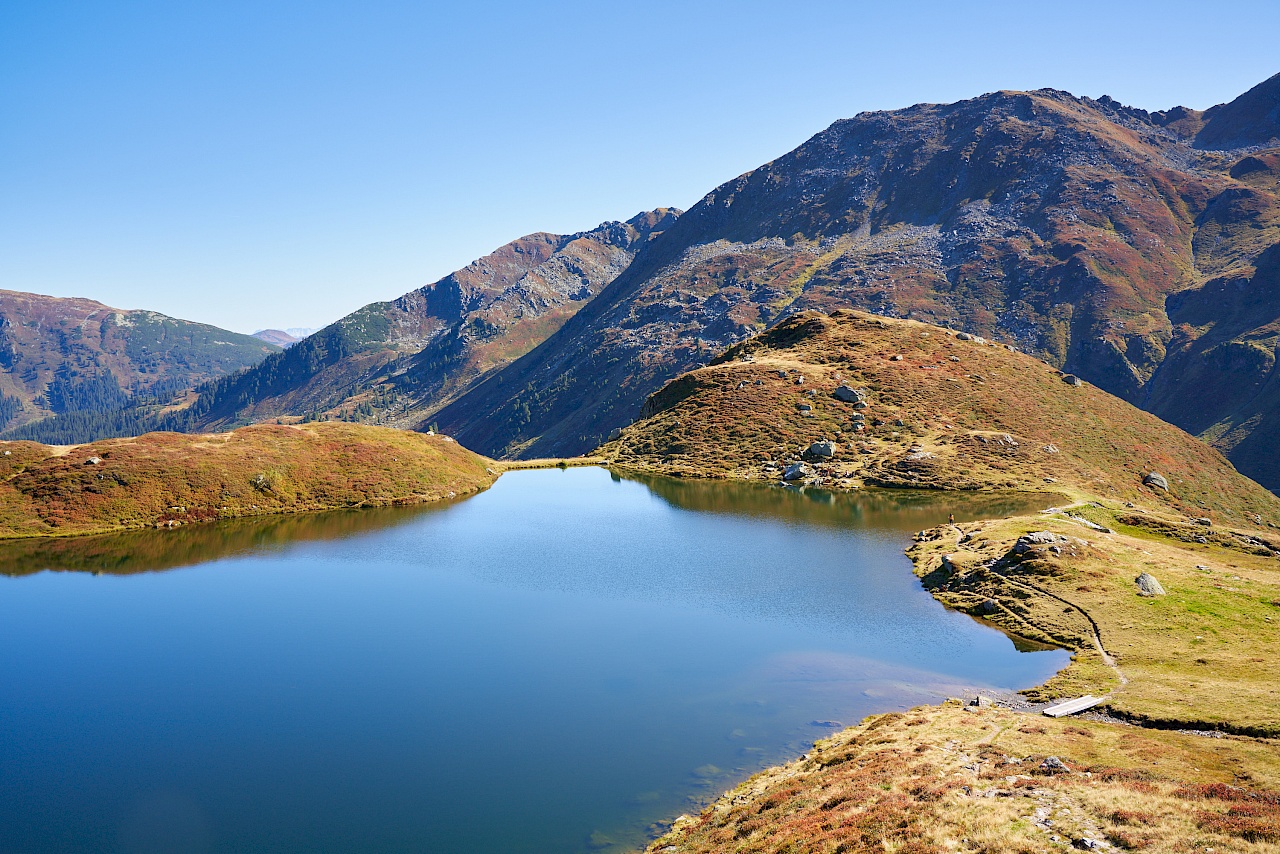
171 479
939 412
946 779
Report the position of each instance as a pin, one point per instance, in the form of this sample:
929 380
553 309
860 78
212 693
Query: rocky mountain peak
1252 119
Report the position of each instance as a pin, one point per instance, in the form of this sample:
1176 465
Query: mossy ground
947 413
170 479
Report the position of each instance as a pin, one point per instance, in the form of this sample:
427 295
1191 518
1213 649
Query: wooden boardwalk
1071 707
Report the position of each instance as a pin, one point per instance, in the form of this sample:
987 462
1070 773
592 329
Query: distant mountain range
283 338
64 356
1138 250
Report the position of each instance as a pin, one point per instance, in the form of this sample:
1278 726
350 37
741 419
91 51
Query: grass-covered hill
937 410
172 479
80 359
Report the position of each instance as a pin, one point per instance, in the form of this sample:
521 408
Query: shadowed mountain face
79 356
1101 238
397 362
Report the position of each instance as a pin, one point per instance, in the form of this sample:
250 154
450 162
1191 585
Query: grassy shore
170 479
943 412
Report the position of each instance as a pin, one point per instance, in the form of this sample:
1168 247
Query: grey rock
615 433
1072 379
1157 480
796 471
93 461
982 702
963 336
989 606
1054 765
1204 520
1084 843
862 404
1148 586
825 450
1027 542
803 407
846 394
895 358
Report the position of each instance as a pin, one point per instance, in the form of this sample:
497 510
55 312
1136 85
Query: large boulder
796 471
846 394
1148 586
822 450
1157 480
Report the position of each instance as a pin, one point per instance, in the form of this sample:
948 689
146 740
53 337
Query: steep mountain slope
396 362
76 355
1079 230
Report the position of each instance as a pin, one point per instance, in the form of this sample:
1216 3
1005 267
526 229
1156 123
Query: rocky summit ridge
1116 244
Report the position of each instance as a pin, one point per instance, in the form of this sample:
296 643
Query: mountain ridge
392 361
64 354
1060 224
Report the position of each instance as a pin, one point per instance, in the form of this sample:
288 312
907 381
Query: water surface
550 666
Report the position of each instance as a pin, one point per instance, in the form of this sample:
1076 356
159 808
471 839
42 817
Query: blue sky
255 164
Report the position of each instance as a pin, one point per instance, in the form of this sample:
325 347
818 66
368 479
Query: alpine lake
553 666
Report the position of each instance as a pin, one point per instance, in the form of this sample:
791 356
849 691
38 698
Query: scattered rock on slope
796 471
1148 586
822 450
846 394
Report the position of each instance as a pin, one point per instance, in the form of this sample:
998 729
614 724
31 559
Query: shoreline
959 564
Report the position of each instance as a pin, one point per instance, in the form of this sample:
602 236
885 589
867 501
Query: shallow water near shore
550 666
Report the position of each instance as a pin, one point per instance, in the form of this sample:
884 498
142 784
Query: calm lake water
550 666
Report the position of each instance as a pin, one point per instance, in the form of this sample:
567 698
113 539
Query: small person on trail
951 517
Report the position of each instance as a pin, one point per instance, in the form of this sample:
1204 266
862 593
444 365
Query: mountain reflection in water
154 550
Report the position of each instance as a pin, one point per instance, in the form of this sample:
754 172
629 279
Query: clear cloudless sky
256 163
